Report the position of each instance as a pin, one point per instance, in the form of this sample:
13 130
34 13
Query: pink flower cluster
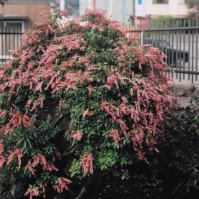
32 192
2 158
76 135
88 113
17 120
40 159
87 163
146 119
62 184
116 137
16 154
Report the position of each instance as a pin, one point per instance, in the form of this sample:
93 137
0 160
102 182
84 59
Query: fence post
142 36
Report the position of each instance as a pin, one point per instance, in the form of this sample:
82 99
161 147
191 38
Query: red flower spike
87 163
17 153
62 184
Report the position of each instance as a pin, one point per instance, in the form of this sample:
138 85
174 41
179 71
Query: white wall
120 9
175 8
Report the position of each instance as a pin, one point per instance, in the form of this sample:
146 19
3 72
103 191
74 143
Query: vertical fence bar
142 37
189 48
192 52
169 40
171 51
178 51
197 54
183 24
9 43
180 55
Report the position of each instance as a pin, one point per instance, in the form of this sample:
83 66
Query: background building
121 10
17 16
65 3
174 8
22 13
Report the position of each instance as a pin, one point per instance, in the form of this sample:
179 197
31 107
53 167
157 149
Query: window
160 1
10 33
73 3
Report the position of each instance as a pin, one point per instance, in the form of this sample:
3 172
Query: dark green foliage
179 156
173 173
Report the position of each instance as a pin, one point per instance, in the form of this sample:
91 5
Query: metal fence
179 41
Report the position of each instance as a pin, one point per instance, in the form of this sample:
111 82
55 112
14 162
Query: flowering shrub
79 100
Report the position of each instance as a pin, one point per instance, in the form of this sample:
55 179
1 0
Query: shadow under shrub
178 161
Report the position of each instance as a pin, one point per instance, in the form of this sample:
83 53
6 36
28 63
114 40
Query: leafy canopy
192 3
79 100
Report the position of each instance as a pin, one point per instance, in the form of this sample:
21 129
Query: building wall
32 11
175 8
119 9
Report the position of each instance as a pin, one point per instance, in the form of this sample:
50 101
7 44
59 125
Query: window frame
163 3
3 37
13 21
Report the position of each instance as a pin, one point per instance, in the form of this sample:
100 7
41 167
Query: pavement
180 84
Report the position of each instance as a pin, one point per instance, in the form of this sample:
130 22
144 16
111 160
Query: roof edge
14 17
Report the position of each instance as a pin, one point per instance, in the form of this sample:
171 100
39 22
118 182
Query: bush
163 21
173 172
178 161
80 101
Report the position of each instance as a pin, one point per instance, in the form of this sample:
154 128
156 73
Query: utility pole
62 5
94 4
133 12
110 8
